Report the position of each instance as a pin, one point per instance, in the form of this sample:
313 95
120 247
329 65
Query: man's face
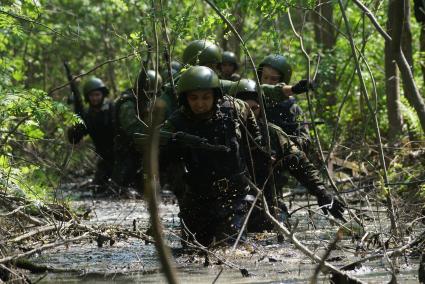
270 76
254 106
227 69
201 101
95 98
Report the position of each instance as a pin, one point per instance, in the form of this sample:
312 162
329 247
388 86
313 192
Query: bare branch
90 71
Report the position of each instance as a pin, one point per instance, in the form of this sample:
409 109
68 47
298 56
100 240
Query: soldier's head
95 91
199 90
166 77
145 84
204 53
274 69
176 65
144 88
246 90
229 64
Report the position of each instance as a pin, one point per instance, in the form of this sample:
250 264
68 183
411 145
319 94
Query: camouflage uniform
99 125
130 108
212 204
287 157
128 165
287 114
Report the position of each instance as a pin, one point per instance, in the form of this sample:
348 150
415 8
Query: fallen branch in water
389 254
37 230
33 267
44 247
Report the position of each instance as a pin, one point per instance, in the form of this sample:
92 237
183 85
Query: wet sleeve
303 138
253 127
128 119
296 162
273 93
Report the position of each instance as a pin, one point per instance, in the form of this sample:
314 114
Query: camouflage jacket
232 124
100 126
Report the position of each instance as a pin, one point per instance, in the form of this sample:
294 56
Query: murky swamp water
131 260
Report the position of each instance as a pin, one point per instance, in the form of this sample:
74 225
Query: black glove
332 205
303 86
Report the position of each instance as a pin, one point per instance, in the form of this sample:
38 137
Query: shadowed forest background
368 58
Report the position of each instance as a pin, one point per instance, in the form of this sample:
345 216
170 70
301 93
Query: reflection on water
131 260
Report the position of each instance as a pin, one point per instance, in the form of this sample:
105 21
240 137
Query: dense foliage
37 36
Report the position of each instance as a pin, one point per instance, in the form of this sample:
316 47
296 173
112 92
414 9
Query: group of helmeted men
219 150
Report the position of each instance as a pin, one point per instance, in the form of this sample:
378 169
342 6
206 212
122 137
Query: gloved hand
332 205
303 86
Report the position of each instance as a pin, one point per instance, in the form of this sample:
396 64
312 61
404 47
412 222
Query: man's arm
76 133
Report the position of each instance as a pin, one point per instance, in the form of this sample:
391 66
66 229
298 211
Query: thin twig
151 184
90 71
26 19
167 50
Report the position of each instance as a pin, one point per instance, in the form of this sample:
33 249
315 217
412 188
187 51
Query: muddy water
131 260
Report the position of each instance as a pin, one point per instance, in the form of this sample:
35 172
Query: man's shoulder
239 106
177 114
229 101
276 130
126 97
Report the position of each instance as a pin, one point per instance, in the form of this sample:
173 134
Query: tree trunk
419 8
392 85
406 38
422 50
411 91
325 39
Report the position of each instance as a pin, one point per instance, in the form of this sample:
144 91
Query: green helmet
164 74
176 65
279 63
230 57
150 75
243 86
144 86
244 89
202 52
93 84
198 78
